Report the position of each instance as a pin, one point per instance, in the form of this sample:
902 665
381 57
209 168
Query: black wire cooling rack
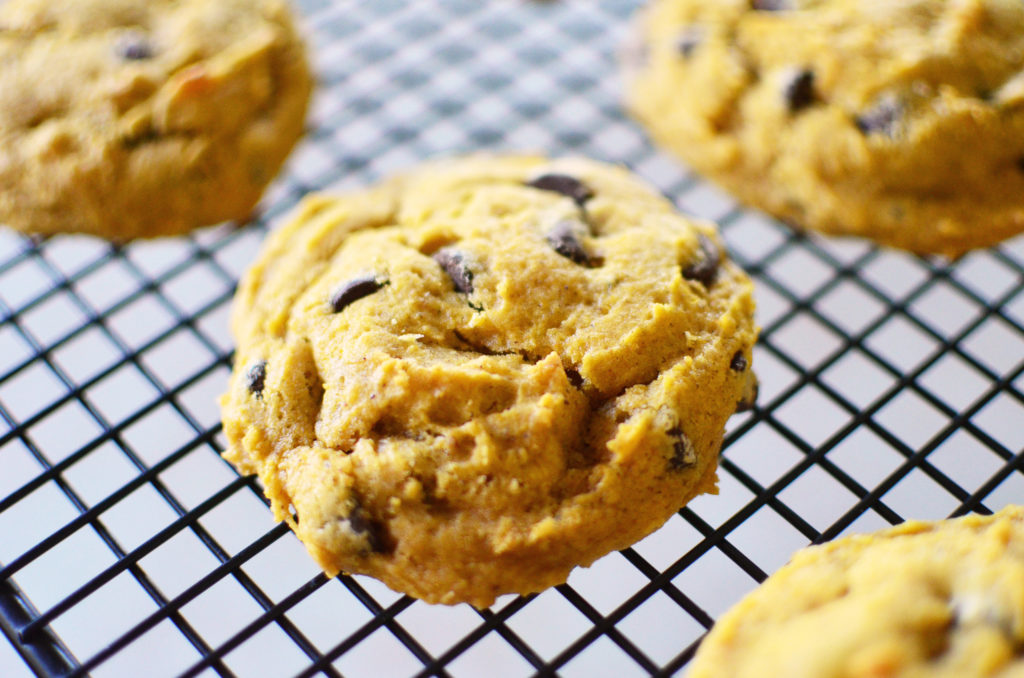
891 389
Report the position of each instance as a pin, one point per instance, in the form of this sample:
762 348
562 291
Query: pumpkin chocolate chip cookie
897 121
139 118
922 600
470 379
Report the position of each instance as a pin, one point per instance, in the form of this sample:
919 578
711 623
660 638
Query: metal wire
891 388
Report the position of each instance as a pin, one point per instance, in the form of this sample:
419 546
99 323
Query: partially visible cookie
922 600
139 118
470 379
898 121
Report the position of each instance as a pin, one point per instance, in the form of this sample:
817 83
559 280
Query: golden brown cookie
139 118
922 600
899 121
472 378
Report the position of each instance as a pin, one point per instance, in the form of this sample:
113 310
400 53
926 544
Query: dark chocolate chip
134 47
564 184
689 40
799 90
563 239
683 454
575 378
880 118
772 5
749 399
454 264
739 362
705 268
363 526
354 290
1020 163
256 377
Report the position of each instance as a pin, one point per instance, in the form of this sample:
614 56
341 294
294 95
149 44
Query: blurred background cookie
139 118
922 599
897 121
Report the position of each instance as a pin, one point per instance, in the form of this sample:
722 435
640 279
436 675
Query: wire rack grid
891 389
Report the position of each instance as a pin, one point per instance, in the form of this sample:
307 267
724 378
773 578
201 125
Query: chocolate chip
575 378
564 240
354 290
880 118
739 362
799 90
363 526
749 398
454 264
1020 163
771 5
255 377
683 454
134 47
689 40
705 268
564 184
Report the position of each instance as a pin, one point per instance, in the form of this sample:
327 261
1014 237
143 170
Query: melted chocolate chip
563 239
771 5
683 454
1020 163
354 290
564 184
575 378
454 264
739 362
255 377
799 90
363 526
705 268
880 118
134 47
689 40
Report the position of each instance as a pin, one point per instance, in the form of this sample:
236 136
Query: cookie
902 121
138 118
470 379
923 600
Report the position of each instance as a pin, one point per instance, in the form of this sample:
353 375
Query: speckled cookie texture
472 378
900 121
922 600
138 118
